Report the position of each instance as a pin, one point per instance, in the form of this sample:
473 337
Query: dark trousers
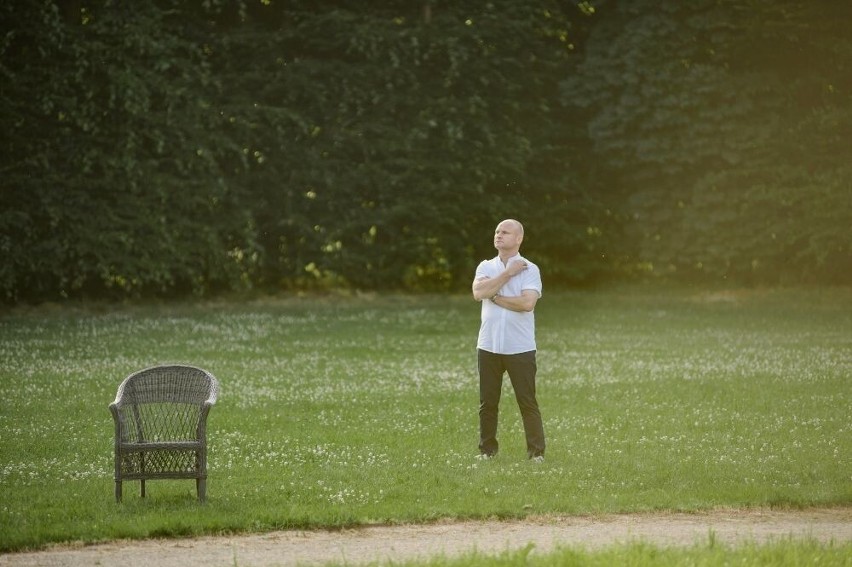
521 369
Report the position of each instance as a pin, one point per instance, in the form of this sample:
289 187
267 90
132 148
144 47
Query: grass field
338 411
643 555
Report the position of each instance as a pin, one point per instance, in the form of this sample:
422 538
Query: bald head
508 237
518 226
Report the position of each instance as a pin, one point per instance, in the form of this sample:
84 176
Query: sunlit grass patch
640 554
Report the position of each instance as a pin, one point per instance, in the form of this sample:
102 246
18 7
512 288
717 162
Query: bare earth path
384 543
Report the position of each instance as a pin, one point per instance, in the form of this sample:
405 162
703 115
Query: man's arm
486 288
524 302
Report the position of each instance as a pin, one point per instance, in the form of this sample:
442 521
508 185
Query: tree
111 174
385 137
721 123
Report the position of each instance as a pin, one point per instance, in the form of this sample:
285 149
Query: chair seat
133 446
162 475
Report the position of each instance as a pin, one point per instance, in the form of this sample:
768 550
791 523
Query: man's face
507 236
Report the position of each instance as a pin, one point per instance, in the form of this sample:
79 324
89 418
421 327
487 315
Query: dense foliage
191 147
724 129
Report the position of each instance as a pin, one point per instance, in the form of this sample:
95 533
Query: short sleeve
532 279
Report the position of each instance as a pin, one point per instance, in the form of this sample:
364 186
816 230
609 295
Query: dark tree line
726 130
172 147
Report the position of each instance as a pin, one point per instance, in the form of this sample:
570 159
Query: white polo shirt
504 331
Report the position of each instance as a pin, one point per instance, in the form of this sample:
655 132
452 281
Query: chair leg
142 483
201 488
118 491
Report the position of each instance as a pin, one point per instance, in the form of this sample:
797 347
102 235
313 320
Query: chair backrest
165 403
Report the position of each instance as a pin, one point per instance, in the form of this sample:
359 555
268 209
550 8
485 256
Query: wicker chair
160 416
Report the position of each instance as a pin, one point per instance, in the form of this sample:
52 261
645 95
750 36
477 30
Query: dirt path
383 543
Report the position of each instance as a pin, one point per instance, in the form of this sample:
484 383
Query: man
508 286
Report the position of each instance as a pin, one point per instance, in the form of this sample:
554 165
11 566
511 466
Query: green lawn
787 552
349 410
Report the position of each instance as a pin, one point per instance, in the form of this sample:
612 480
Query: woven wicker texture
160 417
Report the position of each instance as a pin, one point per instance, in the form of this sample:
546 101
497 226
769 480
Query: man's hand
515 267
